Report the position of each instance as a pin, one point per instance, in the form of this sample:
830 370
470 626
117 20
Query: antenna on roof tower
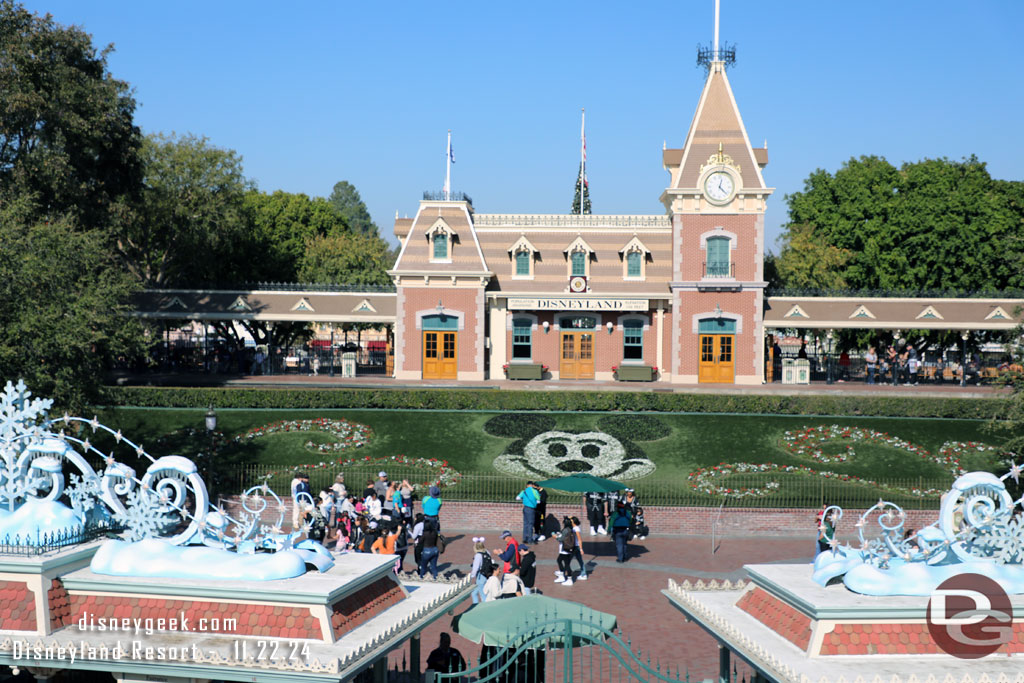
724 53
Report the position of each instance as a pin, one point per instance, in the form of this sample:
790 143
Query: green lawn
694 441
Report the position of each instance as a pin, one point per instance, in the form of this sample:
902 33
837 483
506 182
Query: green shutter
717 326
633 263
440 245
522 262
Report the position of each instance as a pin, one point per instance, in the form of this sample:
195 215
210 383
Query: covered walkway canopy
296 304
882 313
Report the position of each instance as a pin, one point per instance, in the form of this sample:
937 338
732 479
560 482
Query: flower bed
348 434
807 442
443 474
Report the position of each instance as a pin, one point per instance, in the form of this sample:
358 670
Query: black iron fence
40 543
759 490
318 357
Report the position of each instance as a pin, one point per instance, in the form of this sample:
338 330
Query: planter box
525 371
635 373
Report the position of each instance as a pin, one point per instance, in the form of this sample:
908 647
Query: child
577 550
641 527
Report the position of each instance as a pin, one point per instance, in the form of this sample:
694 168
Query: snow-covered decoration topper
168 501
979 530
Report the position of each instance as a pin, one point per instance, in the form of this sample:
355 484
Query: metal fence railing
40 543
792 491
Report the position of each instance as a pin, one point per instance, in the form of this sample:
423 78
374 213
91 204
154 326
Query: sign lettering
572 304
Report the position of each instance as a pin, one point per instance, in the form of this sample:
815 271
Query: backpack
568 539
486 564
441 544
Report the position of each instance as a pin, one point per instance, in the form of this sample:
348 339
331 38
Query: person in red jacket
510 555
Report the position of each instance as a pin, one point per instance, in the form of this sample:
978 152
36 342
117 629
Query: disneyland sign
566 304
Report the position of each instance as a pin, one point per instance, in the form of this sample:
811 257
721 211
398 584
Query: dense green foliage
632 401
68 144
63 308
929 225
188 228
346 201
352 258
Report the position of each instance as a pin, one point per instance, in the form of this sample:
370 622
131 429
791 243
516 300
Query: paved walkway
631 591
945 390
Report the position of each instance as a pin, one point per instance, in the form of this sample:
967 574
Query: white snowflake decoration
20 415
145 516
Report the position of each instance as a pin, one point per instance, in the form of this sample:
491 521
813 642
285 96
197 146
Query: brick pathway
632 591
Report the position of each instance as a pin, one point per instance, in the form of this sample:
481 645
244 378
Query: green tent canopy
504 623
582 482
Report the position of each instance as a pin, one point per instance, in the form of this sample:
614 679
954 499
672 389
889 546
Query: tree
929 225
805 261
67 138
281 224
349 258
64 307
581 181
345 198
188 227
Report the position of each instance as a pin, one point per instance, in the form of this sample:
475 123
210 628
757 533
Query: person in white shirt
339 487
373 507
492 587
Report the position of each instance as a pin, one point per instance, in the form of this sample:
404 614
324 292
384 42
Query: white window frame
632 247
644 327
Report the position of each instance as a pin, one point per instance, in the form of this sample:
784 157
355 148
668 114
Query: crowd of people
379 519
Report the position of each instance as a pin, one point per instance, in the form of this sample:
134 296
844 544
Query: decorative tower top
724 54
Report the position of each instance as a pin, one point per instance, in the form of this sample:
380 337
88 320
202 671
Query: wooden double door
440 355
717 359
577 356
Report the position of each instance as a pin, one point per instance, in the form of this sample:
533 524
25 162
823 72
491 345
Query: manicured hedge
632 401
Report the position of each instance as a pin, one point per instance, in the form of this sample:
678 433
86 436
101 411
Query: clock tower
716 199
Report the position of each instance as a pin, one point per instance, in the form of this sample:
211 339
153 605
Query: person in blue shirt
432 506
529 498
620 522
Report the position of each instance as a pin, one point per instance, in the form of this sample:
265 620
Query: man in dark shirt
446 659
527 568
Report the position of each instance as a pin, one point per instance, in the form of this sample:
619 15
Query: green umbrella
499 622
582 482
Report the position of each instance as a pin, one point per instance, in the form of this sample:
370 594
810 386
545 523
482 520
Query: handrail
532 634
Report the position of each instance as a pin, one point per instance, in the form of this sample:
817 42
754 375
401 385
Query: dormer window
579 263
577 256
523 258
440 246
718 246
523 254
634 260
441 240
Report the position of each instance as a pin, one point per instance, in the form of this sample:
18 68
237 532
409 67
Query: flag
451 152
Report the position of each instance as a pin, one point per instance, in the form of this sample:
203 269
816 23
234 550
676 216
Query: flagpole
448 168
715 58
583 154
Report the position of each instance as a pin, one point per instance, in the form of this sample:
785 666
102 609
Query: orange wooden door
577 357
440 355
717 361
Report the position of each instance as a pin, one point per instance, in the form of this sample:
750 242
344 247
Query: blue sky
315 92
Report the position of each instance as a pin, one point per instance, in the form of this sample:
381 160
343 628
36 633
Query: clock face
577 284
718 186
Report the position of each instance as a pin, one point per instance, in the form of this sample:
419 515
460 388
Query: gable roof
717 122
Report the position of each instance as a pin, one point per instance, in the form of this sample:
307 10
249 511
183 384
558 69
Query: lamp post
828 358
211 419
963 358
